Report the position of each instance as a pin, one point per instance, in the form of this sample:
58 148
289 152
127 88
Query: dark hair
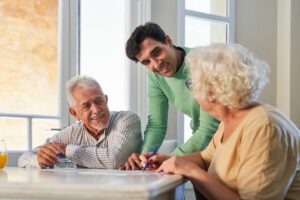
149 30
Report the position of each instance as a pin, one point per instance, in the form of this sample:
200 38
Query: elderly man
100 138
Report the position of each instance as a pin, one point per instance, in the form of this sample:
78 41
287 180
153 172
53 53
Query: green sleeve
201 137
156 127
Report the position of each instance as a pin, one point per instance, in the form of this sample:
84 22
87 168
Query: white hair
83 81
227 73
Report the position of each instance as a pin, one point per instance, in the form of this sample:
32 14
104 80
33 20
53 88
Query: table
63 183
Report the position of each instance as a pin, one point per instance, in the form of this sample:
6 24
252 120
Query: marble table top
63 183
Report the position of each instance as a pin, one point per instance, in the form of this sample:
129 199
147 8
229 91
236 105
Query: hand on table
177 165
47 156
133 163
154 161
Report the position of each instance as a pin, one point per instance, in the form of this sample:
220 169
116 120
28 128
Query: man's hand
60 147
133 163
47 156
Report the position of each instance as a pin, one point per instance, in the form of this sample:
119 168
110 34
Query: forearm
153 138
90 157
28 159
157 123
156 129
201 137
209 187
196 159
96 157
196 143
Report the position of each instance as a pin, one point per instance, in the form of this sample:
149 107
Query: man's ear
74 113
169 41
106 98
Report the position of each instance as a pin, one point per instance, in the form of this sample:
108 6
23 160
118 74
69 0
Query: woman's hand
154 161
177 165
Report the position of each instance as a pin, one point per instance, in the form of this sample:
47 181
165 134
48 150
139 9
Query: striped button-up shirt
121 139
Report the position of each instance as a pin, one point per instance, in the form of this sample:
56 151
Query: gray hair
227 73
81 80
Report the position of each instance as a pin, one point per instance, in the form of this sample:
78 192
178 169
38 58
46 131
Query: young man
100 138
167 78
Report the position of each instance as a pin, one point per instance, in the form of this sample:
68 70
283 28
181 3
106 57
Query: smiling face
158 57
91 108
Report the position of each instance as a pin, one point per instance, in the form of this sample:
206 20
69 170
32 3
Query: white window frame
182 13
137 12
68 51
66 62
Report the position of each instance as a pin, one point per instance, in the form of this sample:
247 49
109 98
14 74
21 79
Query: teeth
99 115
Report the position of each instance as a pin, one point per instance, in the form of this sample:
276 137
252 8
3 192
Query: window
102 48
29 77
104 29
203 22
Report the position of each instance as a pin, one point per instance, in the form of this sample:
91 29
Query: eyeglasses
188 84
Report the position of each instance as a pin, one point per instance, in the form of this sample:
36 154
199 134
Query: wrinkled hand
47 156
177 165
133 163
60 147
154 161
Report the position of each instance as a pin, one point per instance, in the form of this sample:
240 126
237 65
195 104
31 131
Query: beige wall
256 30
295 62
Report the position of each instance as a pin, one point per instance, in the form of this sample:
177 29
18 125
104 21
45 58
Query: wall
256 30
165 14
295 62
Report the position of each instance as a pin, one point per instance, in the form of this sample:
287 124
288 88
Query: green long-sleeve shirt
162 91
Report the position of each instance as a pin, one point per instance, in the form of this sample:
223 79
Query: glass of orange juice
3 154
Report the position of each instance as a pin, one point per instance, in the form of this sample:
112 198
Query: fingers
134 162
60 147
160 169
159 158
144 158
127 166
123 167
47 156
136 159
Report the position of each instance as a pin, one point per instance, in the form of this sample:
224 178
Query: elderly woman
255 152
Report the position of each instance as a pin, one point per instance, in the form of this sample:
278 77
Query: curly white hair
228 74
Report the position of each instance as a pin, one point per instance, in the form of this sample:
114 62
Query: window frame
66 60
182 13
136 12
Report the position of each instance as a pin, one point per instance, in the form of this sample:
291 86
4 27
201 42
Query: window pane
28 37
14 132
187 128
199 32
29 70
102 47
40 130
216 7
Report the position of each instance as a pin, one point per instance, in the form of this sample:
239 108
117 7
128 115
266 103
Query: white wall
164 13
